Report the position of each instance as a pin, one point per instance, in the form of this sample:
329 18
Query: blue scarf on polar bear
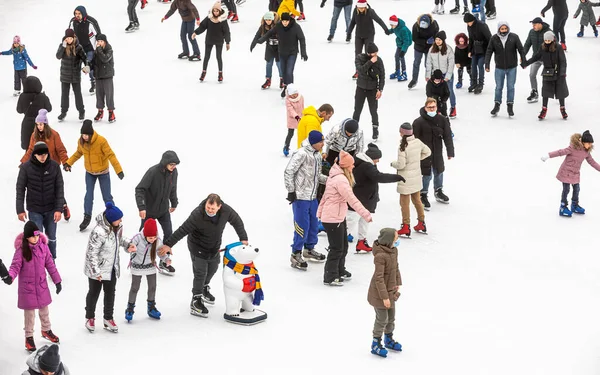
244 269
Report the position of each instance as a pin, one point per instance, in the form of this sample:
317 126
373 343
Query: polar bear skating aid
241 285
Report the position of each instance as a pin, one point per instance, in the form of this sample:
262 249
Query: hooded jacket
216 32
337 140
507 50
440 92
409 165
157 191
386 276
102 254
303 173
33 362
140 262
575 154
422 36
368 178
587 13
96 155
294 108
365 29
337 197
56 148
479 38
272 46
70 65
44 186
535 39
20 57
30 102
310 121
288 38
104 63
436 60
371 76
403 35
287 6
461 53
187 10
434 132
86 30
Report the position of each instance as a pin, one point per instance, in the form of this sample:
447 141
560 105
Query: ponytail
153 251
404 142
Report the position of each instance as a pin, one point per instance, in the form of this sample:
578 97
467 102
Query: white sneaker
90 325
111 326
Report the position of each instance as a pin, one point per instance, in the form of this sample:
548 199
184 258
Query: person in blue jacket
403 41
20 61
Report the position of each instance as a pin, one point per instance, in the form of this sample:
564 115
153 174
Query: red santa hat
361 4
394 20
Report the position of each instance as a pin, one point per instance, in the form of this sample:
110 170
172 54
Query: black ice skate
207 297
297 261
425 201
441 197
311 254
197 308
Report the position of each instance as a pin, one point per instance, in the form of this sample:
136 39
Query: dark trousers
298 4
558 26
337 235
288 138
287 68
94 289
165 223
477 69
207 52
131 4
359 102
64 98
460 74
45 221
204 270
545 101
136 281
230 4
360 44
419 56
490 6
582 28
400 61
187 28
464 2
20 76
565 193
105 91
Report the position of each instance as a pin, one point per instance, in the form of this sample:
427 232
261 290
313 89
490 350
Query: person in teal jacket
403 41
20 61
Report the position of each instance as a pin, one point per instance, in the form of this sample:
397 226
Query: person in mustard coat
287 6
311 120
96 154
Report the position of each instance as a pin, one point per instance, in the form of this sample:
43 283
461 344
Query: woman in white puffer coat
410 154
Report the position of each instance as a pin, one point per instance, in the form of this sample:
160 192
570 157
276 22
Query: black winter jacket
535 39
433 131
205 233
365 28
439 92
216 32
272 46
157 192
288 38
368 178
30 102
70 66
104 63
556 86
421 36
505 56
371 76
479 38
559 8
461 57
83 31
44 185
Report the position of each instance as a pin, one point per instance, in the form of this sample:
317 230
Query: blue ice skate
390 343
152 311
476 9
459 85
402 77
395 75
286 151
577 209
596 33
321 227
350 238
580 34
564 210
378 349
129 312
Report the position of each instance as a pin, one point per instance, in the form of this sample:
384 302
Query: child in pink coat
579 150
31 260
294 102
332 212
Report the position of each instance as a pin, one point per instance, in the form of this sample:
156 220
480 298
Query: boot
202 76
441 197
580 34
577 209
377 348
220 77
542 114
375 132
207 297
563 112
420 227
363 245
395 75
297 261
197 307
390 343
86 221
533 97
50 336
453 112
129 311
62 116
465 10
30 344
152 311
330 38
403 77
183 55
564 210
509 109
267 84
404 231
111 116
281 84
425 201
455 10
130 28
496 109
99 115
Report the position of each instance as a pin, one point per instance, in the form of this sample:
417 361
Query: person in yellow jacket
96 154
312 120
287 6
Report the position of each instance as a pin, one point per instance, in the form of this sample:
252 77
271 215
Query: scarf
244 269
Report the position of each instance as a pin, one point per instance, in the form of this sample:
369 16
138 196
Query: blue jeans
90 185
336 15
511 78
452 96
287 68
418 57
481 14
90 56
565 194
306 224
45 222
270 68
477 69
187 28
438 181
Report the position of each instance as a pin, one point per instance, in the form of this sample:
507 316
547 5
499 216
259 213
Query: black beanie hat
372 48
101 37
29 229
87 127
586 137
468 18
285 16
373 151
40 148
441 35
50 360
351 126
437 74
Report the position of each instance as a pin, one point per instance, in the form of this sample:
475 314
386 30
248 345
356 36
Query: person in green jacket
403 41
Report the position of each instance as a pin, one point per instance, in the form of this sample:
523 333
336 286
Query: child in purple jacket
31 260
579 150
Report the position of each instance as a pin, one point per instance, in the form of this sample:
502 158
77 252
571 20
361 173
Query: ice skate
281 84
363 245
395 75
542 114
350 238
313 255
17 93
286 151
220 77
404 231
234 18
533 97
267 84
420 227
111 116
183 55
402 77
465 11
425 201
335 282
577 209
491 15
412 84
495 110
297 261
330 38
152 311
136 25
455 10
441 197
30 344
390 343
90 324
66 213
509 109
62 116
82 115
563 113
197 307
377 348
564 210
129 311
111 326
453 112
144 3
93 88
207 297
301 17
130 28
436 10
166 269
355 75
202 76
580 34
85 223
50 336
346 276
99 115
194 58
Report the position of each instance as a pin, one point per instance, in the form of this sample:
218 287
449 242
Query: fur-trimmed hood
576 142
43 239
465 37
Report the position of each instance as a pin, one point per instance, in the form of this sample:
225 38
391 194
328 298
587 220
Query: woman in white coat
441 56
410 154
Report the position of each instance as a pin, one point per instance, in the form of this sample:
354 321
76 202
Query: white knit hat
291 89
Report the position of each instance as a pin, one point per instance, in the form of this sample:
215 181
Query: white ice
502 284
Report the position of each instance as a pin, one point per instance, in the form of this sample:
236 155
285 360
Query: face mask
423 25
504 33
210 215
431 114
397 243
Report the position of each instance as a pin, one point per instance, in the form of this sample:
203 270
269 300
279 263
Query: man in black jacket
535 39
156 197
423 34
86 29
508 51
42 179
338 5
205 228
105 70
369 85
479 38
363 17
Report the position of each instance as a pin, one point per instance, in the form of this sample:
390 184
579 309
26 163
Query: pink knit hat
345 160
17 39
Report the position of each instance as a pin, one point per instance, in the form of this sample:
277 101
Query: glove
67 167
543 14
86 69
388 32
291 197
35 67
545 157
120 175
396 296
58 288
251 47
64 44
297 118
401 178
430 40
7 280
304 57
323 3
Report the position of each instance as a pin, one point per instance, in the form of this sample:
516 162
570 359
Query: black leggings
438 2
288 138
131 4
298 4
208 50
545 101
230 4
559 28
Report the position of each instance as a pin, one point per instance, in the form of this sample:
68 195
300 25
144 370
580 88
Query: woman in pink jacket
294 103
31 260
579 150
332 212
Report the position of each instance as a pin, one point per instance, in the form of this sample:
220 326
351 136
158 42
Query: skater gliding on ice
294 103
189 14
86 29
20 61
217 32
105 71
71 56
268 21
